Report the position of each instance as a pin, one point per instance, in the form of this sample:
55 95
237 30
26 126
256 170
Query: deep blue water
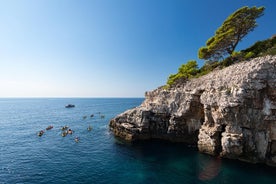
98 157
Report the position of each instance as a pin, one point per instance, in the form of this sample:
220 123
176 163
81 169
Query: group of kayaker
92 115
65 131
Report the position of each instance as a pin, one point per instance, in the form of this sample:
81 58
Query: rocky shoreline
229 112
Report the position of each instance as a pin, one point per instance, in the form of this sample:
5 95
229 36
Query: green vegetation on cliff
190 69
260 48
226 38
185 71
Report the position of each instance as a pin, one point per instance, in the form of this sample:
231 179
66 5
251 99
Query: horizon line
63 97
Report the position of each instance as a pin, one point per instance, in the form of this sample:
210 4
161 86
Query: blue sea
98 157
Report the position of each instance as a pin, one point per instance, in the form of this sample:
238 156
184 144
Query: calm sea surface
98 157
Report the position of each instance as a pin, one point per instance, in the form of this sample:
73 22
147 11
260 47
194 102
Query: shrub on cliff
185 71
261 48
207 68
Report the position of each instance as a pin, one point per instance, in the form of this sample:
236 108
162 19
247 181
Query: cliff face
229 112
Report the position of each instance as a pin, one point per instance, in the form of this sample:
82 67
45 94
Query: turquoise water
98 157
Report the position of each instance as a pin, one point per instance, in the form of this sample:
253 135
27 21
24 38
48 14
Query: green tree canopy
232 31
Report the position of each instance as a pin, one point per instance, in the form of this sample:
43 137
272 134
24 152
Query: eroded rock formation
229 112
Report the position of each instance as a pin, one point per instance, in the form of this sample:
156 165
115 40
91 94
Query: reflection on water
210 169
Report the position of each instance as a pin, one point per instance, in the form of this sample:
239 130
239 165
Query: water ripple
97 157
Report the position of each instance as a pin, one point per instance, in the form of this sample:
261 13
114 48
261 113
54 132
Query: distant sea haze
98 157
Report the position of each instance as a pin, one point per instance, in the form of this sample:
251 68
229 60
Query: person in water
70 131
76 139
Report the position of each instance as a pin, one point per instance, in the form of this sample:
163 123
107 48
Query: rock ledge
230 112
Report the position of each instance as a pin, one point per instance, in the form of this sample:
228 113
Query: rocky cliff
229 112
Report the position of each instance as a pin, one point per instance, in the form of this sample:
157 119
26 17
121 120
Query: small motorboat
77 139
49 127
92 115
40 133
69 106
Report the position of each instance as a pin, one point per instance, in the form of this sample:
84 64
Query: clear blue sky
108 48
